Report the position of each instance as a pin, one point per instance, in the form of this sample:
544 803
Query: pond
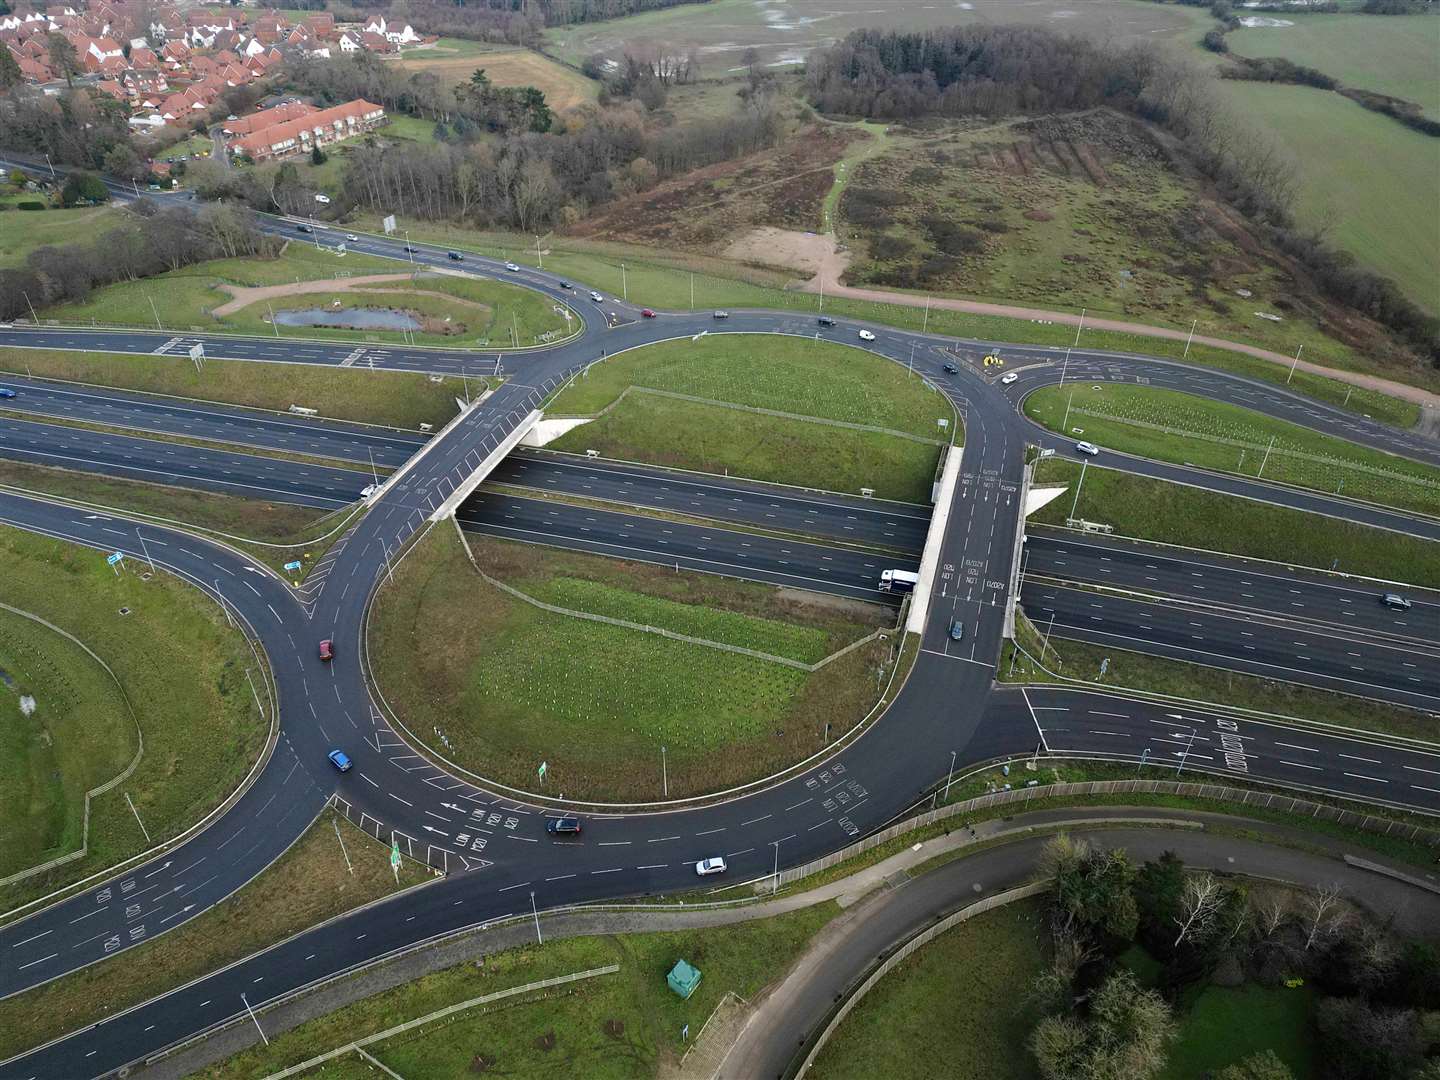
348 318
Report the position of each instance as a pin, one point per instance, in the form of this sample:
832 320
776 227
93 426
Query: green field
1377 198
1167 425
510 685
22 231
624 1026
183 671
1395 55
309 884
79 735
390 398
1189 517
666 279
486 312
957 1007
786 374
1227 1024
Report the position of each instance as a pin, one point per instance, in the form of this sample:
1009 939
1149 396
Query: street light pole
664 772
1076 505
949 777
1193 323
776 871
539 940
1293 364
1186 751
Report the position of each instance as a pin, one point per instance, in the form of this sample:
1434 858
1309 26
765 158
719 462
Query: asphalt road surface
492 841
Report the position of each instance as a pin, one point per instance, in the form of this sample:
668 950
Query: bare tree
1199 902
1272 911
1323 915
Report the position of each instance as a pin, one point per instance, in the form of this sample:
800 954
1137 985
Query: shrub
28 205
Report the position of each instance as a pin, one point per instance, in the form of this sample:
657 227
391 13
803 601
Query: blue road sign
111 560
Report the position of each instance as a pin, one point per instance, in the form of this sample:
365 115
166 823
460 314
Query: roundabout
491 841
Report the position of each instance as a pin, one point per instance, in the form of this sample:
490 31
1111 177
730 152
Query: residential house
316 129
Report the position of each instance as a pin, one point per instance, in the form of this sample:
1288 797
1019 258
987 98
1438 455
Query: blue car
339 760
957 629
6 392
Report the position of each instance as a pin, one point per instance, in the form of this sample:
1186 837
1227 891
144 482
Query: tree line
154 242
1097 1021
994 71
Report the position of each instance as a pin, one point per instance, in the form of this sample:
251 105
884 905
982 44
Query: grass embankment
663 280
390 398
957 1007
626 1025
824 381
305 886
1189 517
74 734
22 231
1168 425
511 686
1081 661
183 670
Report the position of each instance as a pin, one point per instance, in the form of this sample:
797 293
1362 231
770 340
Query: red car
327 650
647 314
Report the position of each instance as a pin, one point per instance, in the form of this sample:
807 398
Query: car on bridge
411 250
563 826
1089 449
713 865
352 238
339 760
866 335
368 490
304 229
327 650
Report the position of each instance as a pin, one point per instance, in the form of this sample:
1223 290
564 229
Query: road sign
544 768
197 351
294 565
111 560
388 224
394 854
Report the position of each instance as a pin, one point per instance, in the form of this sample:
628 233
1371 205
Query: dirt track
244 295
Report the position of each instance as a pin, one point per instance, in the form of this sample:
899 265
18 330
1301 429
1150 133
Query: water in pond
349 318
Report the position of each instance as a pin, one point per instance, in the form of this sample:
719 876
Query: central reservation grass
390 398
183 670
307 885
184 299
792 375
956 1007
511 685
625 1026
1168 425
1148 509
77 735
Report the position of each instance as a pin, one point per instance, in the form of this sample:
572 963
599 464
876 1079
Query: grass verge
957 1007
1227 1024
788 375
626 1025
74 734
182 668
511 685
1189 517
1168 425
305 886
389 398
663 280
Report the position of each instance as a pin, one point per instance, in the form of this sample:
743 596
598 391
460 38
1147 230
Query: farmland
822 381
1168 425
1376 197
510 685
784 31
454 61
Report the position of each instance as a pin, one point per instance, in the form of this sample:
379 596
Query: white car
512 268
323 199
866 335
597 298
1089 449
368 490
713 865
1008 379
352 238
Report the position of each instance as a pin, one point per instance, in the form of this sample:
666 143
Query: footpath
881 902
